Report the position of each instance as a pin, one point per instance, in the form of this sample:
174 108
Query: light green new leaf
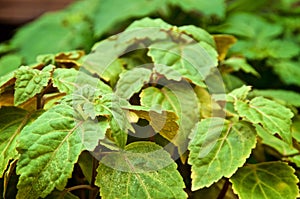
12 121
274 117
238 94
148 22
266 180
142 170
193 61
64 79
180 99
132 81
30 82
218 148
49 148
284 96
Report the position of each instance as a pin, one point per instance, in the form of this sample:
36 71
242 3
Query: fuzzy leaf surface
218 148
30 82
274 117
190 59
12 121
266 180
132 81
49 148
142 170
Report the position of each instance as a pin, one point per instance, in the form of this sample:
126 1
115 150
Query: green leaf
232 82
49 148
6 80
237 63
9 63
104 20
239 93
192 60
180 99
218 148
276 143
214 7
274 117
288 71
148 22
111 74
30 82
12 121
284 96
142 170
250 26
267 180
64 79
55 32
198 34
132 81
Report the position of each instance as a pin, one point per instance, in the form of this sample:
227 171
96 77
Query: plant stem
83 186
95 190
222 193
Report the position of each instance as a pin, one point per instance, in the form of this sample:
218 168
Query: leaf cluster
161 110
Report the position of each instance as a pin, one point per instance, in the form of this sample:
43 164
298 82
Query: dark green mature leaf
237 63
6 80
217 149
274 117
9 63
142 170
250 26
259 37
12 121
30 82
267 180
288 71
214 7
49 148
132 81
104 20
180 99
56 32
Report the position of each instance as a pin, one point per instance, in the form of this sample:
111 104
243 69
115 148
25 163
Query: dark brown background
15 13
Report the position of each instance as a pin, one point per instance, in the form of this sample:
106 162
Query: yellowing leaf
164 122
223 43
